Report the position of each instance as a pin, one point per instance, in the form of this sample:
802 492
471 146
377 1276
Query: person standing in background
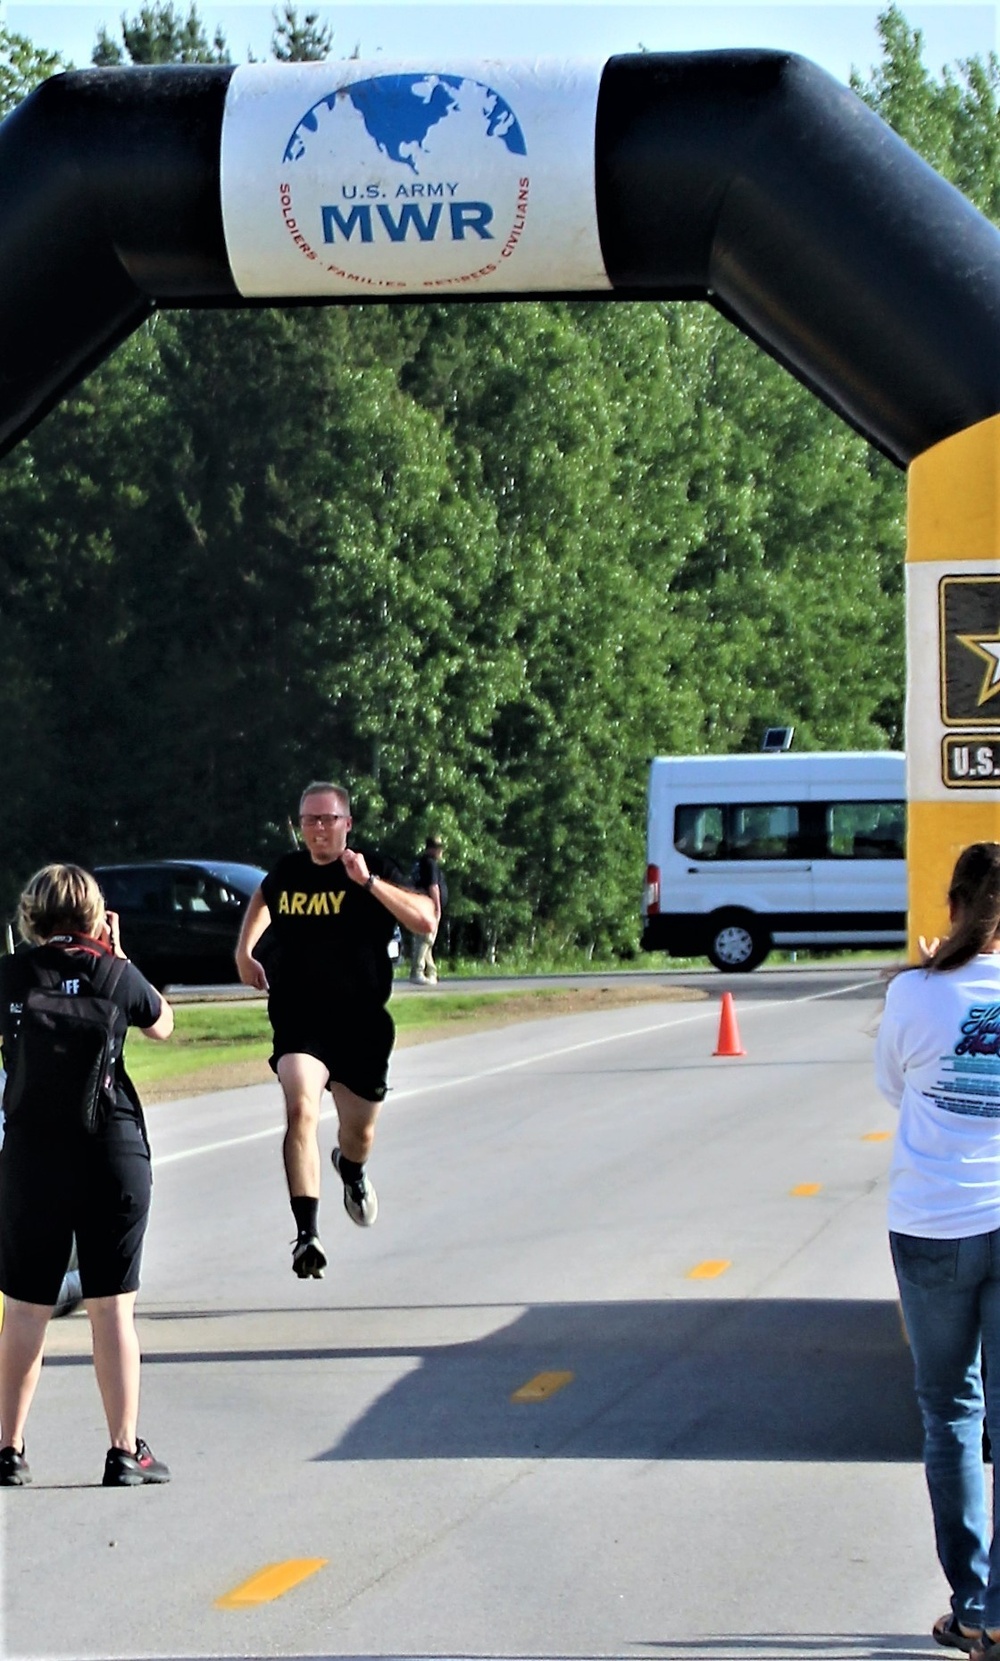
429 878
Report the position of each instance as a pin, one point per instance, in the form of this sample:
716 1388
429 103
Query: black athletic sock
350 1171
305 1210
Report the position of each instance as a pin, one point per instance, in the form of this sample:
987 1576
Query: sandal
947 1632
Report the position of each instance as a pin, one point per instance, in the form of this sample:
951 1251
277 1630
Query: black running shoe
129 1470
14 1469
360 1198
308 1257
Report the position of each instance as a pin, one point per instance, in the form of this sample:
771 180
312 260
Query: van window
698 832
748 830
765 830
865 830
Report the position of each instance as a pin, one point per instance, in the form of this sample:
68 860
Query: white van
748 852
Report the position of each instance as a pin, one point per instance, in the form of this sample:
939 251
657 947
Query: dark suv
180 918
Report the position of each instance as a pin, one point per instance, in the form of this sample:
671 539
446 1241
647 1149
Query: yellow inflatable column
953 663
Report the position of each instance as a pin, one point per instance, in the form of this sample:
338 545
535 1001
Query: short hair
323 787
59 899
434 842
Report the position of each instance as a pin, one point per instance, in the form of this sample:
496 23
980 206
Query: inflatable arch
752 180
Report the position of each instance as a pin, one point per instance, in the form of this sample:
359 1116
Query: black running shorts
354 1045
98 1188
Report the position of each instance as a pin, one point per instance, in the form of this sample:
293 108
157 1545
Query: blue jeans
950 1292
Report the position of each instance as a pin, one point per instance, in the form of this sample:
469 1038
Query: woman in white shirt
938 1062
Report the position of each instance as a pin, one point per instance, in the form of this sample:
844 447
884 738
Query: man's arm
436 901
415 911
255 921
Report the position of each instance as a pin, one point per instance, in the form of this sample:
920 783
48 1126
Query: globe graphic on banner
417 121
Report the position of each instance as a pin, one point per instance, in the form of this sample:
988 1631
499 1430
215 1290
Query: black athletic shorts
98 1188
353 1044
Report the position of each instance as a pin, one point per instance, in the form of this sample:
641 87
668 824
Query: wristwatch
371 879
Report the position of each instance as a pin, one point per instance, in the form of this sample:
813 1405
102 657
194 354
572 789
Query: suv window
138 890
199 891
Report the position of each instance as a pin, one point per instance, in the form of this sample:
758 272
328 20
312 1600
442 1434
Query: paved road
772 981
720 1460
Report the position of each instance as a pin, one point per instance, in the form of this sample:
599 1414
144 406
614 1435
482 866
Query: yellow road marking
805 1190
877 1136
270 1583
711 1267
542 1386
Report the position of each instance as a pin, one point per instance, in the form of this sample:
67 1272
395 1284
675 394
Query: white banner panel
380 179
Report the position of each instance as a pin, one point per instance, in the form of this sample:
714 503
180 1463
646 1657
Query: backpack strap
106 974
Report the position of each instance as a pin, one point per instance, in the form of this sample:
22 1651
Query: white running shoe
360 1198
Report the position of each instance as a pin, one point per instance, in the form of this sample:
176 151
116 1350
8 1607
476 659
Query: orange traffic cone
729 1032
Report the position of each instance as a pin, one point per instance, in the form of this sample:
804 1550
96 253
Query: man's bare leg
303 1079
357 1133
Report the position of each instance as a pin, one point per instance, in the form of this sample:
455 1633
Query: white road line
512 1066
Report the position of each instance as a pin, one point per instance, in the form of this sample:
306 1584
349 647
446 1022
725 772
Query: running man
331 914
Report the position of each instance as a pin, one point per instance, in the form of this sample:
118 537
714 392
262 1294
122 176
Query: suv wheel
737 943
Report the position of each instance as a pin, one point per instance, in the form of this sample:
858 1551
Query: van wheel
737 943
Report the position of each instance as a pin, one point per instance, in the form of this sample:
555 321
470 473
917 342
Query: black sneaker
129 1470
308 1257
14 1469
360 1198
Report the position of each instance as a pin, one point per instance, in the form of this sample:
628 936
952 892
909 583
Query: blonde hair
59 899
322 787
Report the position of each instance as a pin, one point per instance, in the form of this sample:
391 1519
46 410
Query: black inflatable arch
753 180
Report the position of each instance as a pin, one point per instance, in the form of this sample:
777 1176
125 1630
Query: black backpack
68 1044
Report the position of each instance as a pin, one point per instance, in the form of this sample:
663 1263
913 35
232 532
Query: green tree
160 34
953 122
23 66
299 42
479 561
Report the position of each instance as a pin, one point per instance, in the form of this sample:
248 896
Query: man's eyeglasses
308 820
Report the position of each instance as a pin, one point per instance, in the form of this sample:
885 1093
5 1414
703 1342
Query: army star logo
986 646
969 635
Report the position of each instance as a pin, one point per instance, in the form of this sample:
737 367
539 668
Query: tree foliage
22 67
160 34
479 562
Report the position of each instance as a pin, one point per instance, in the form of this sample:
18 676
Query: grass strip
217 1035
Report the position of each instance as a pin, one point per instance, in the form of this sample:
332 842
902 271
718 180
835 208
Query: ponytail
974 897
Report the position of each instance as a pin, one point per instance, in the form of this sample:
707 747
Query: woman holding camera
63 1175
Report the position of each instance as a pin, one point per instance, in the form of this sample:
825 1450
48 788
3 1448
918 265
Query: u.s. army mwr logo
327 904
970 651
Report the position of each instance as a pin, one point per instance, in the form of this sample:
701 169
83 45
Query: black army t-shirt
328 935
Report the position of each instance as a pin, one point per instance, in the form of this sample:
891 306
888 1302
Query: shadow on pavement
774 1379
693 1379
